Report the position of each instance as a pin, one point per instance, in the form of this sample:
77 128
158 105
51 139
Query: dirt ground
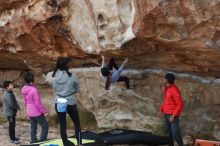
23 132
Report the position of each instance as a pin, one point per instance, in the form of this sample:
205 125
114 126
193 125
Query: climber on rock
111 73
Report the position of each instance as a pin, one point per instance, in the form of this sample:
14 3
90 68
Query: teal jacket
65 86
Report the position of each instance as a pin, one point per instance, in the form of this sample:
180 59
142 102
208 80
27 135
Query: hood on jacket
61 77
27 89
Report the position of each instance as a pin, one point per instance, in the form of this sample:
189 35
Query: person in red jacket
171 108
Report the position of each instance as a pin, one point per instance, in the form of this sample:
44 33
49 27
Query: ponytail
69 74
54 72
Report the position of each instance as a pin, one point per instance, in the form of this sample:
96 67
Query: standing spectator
34 109
66 86
171 107
11 109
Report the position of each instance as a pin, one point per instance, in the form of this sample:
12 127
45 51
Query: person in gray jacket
65 86
10 108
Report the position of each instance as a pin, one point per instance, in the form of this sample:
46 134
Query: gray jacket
65 86
10 104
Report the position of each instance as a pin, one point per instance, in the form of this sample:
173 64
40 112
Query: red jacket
172 102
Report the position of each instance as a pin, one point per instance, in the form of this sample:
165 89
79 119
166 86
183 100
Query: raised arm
103 61
122 65
119 71
125 61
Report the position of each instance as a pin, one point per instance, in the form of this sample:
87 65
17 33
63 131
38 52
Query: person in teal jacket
66 86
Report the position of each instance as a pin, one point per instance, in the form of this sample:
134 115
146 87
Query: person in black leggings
73 113
66 85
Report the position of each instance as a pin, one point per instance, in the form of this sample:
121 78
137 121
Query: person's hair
6 84
170 78
29 77
105 71
62 63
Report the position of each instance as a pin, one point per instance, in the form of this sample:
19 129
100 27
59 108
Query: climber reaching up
111 73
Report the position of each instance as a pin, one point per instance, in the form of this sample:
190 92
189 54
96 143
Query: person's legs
124 79
44 127
33 130
62 121
107 83
73 113
111 64
11 128
176 131
168 129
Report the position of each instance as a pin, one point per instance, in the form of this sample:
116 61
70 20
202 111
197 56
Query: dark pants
11 128
173 130
73 113
44 128
124 79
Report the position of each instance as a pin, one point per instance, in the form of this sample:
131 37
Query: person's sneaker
128 88
16 138
69 143
15 142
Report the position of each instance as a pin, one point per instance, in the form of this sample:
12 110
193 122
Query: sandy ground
23 132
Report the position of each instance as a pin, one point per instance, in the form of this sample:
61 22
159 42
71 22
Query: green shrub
156 130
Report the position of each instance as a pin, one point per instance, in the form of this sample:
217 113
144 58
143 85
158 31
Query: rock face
181 35
137 108
176 35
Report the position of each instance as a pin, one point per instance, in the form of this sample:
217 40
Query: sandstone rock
182 35
12 75
137 108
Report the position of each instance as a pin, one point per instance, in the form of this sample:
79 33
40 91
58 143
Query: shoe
128 88
17 138
15 142
31 142
69 143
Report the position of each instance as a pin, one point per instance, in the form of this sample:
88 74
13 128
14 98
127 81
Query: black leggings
73 113
124 79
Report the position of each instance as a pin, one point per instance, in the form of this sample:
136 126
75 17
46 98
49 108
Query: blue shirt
115 74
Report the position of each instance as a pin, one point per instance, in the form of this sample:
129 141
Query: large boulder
181 35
